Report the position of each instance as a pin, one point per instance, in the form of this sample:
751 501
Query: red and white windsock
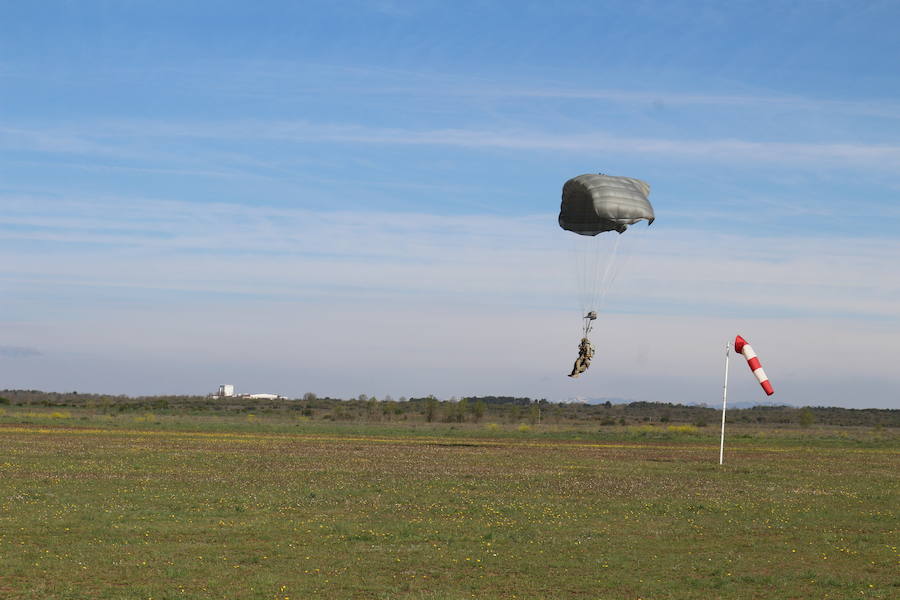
741 345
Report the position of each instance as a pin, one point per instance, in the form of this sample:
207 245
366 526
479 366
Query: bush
642 429
807 418
681 428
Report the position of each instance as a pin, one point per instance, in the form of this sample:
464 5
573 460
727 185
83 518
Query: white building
227 391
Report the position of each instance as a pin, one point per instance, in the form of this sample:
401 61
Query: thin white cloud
662 98
261 250
871 155
282 80
19 352
117 139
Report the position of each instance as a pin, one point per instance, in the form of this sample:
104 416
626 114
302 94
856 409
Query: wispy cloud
118 139
286 80
871 155
266 251
662 98
18 352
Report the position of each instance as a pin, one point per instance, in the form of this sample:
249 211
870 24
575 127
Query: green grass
190 507
587 431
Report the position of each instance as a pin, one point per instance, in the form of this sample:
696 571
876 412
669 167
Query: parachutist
605 206
585 354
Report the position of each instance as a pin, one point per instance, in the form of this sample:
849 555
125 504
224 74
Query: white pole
724 401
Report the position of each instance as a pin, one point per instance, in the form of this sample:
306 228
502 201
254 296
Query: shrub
681 428
431 405
641 429
807 418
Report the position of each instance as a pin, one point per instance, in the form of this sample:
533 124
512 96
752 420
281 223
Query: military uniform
585 354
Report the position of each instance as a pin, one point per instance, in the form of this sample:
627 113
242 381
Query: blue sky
361 197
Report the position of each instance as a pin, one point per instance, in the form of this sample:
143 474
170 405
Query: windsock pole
724 402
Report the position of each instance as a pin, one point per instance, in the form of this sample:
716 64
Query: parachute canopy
592 204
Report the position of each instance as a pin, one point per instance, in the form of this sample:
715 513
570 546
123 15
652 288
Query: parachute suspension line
582 253
596 262
610 273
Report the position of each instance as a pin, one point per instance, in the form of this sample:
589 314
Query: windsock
741 345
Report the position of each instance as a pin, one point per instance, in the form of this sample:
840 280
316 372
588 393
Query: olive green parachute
592 204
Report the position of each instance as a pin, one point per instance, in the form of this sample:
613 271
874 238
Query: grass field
185 507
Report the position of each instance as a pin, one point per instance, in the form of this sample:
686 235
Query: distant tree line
473 409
